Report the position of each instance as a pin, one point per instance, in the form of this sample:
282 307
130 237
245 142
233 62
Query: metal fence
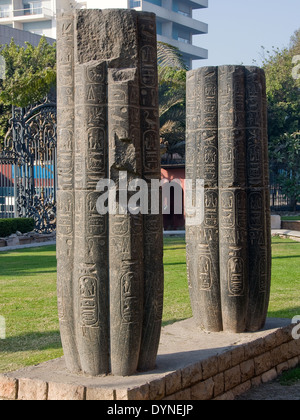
279 201
7 188
28 166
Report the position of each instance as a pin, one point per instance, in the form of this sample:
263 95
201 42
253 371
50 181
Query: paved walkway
36 245
293 234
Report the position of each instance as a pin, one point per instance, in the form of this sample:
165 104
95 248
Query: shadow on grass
285 256
36 341
286 242
287 313
31 263
172 321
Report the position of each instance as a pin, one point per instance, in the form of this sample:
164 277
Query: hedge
11 226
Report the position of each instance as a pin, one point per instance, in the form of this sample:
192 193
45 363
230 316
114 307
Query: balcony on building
30 13
176 25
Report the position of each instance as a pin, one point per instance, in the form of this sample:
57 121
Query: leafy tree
30 73
285 165
172 99
5 116
283 93
295 43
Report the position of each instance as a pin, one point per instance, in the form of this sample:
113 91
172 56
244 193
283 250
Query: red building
172 171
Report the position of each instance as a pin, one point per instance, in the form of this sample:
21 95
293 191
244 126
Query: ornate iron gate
7 186
31 147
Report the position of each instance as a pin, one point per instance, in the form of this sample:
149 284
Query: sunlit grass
29 305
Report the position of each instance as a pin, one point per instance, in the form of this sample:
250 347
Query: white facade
107 4
34 16
175 22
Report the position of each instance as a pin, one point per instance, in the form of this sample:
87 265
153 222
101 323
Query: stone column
65 193
153 221
233 198
233 138
91 294
202 163
112 271
125 230
258 198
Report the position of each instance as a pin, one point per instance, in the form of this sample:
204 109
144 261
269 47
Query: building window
181 35
156 2
181 12
181 8
33 8
134 3
5 11
184 36
159 28
186 41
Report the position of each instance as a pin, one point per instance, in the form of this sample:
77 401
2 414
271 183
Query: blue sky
238 29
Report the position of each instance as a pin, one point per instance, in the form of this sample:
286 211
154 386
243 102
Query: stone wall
290 225
216 374
26 239
226 376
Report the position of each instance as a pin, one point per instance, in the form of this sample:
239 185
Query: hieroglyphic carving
233 198
202 163
91 249
152 223
115 277
257 199
192 233
126 272
89 315
230 139
267 192
65 194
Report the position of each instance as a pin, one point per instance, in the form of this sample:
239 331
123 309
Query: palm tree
172 91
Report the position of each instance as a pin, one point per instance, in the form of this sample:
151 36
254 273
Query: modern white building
34 16
175 22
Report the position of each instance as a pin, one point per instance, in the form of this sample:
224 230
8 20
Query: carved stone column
110 271
229 254
259 239
202 163
65 193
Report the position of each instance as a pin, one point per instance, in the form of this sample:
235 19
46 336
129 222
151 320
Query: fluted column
229 255
110 271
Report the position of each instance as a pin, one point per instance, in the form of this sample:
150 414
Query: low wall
191 365
290 225
27 239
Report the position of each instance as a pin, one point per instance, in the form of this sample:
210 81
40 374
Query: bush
10 226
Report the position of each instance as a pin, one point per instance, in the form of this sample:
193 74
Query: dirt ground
273 391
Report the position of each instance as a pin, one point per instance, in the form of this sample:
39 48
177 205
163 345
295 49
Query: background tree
30 73
172 99
283 93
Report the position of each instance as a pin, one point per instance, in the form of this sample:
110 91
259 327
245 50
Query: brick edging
220 377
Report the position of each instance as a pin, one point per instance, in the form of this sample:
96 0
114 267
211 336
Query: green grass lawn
28 297
285 291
